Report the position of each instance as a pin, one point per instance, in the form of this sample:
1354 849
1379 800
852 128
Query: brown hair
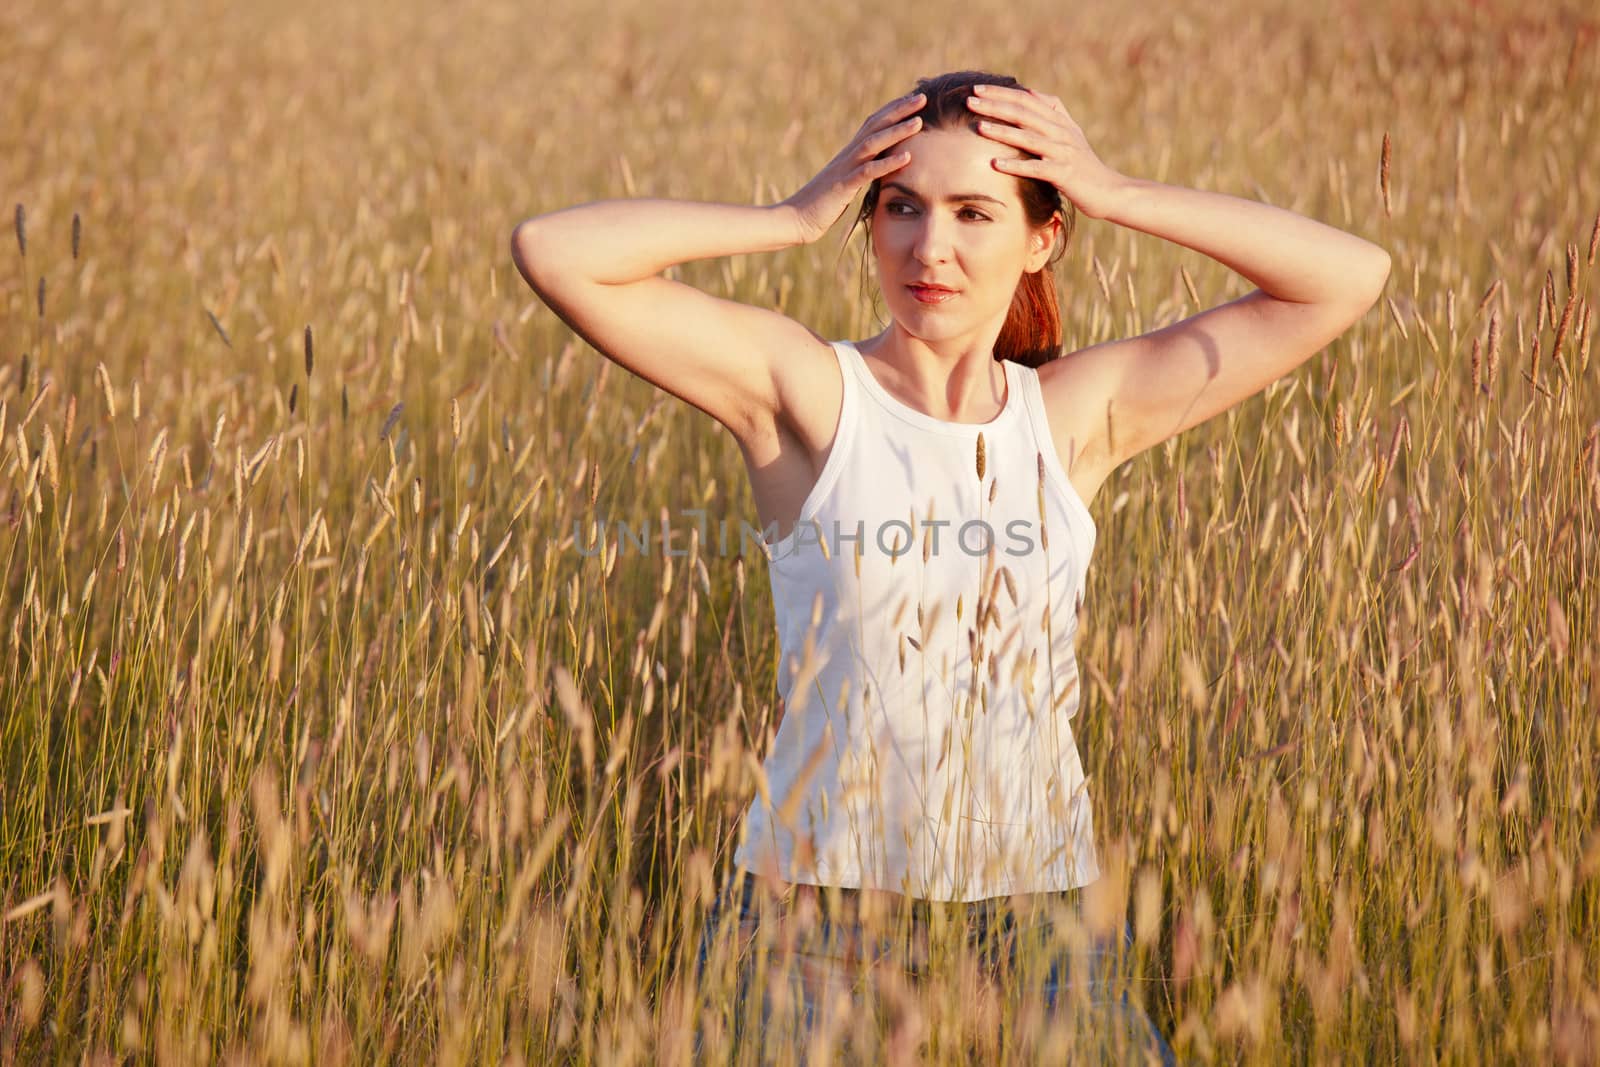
1032 331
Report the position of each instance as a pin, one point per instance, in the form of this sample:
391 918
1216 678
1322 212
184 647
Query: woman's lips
930 294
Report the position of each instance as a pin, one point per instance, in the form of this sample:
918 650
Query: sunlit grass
323 741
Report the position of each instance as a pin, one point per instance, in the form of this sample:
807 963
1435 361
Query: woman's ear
1042 242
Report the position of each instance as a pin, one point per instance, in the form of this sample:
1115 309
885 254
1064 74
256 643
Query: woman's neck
957 380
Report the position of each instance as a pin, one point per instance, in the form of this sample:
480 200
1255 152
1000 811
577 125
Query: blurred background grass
321 740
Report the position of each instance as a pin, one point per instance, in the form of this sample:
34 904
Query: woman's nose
933 241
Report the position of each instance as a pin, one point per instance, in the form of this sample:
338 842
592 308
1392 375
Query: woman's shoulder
1075 388
810 389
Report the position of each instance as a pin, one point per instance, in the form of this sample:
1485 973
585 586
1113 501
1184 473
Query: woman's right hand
818 205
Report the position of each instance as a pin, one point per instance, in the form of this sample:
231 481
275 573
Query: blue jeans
809 950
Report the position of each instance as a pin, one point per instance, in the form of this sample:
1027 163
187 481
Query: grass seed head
1492 359
1383 174
388 423
1488 295
29 983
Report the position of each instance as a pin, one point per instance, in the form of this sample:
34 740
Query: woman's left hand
1038 123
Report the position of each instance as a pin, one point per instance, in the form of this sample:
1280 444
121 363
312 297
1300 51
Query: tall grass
323 741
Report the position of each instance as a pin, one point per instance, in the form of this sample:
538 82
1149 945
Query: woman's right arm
598 266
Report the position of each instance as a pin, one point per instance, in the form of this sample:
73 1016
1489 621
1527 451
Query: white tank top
893 767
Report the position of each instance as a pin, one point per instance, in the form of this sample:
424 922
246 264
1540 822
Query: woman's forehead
947 162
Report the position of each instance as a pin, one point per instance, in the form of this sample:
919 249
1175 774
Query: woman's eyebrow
953 198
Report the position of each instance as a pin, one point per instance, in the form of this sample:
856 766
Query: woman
927 490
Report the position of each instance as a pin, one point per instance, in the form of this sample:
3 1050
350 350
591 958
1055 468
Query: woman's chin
927 324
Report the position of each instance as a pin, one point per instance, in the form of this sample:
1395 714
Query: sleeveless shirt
927 672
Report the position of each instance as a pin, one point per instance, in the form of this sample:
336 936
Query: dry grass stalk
447 866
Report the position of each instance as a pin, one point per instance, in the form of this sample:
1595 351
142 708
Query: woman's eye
975 214
897 204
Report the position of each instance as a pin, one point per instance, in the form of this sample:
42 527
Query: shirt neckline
899 408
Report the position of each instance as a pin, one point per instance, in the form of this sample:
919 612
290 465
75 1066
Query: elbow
1363 283
1377 275
525 252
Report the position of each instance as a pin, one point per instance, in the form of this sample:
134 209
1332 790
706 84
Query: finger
1024 111
1057 109
1065 121
1025 168
1018 101
1016 137
1007 92
891 135
893 111
873 169
1052 102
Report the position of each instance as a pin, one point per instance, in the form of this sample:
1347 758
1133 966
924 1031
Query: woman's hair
1032 331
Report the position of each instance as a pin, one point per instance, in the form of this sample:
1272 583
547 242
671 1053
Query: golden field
321 742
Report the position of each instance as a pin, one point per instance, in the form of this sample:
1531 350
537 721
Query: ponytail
1031 335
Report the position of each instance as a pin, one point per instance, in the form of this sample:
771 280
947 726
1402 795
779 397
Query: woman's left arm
1314 282
1292 258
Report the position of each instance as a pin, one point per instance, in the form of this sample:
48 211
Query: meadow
321 741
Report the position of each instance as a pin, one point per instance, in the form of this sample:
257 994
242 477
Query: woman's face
949 219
